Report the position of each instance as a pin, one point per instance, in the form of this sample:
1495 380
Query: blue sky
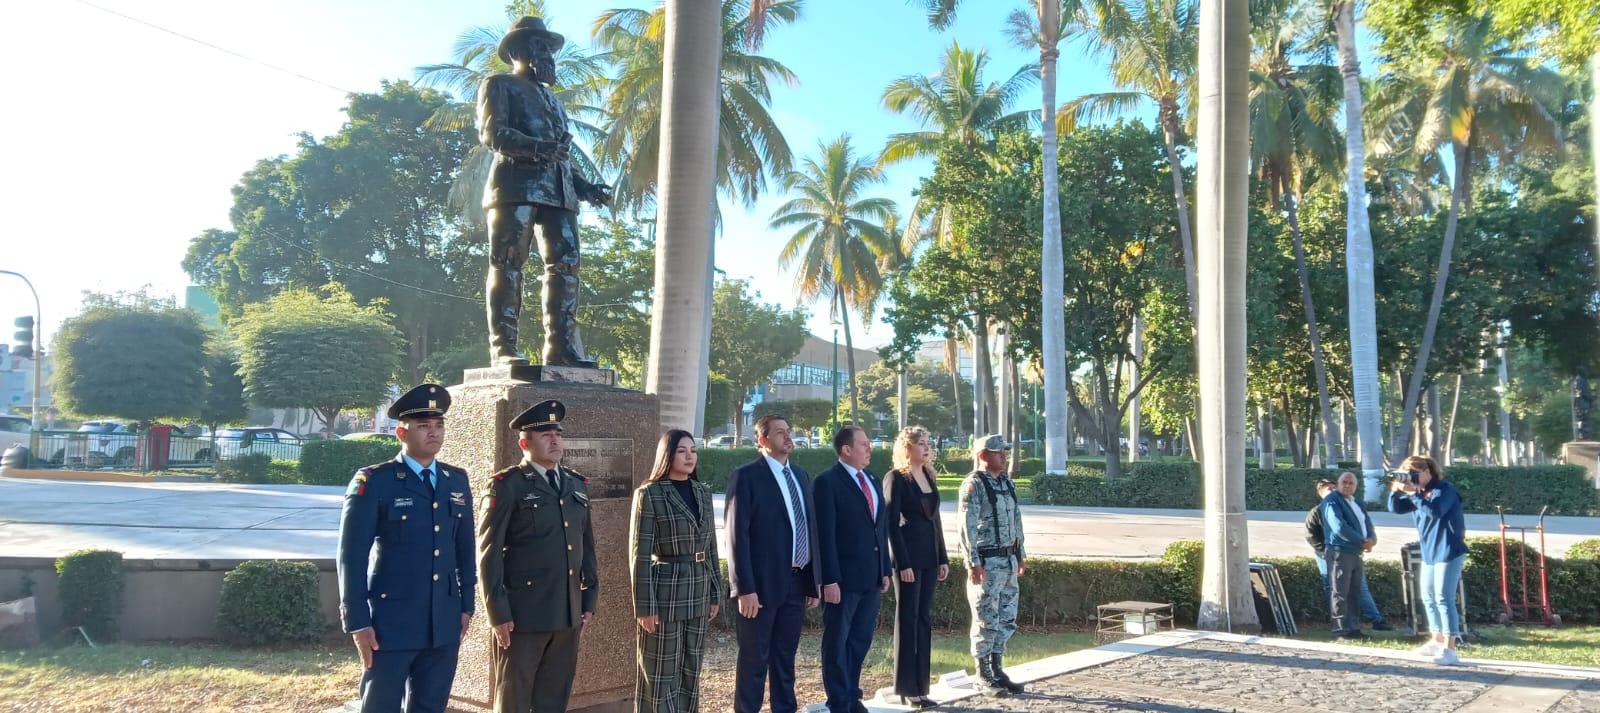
122 141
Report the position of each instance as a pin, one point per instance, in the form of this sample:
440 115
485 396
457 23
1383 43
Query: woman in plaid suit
677 583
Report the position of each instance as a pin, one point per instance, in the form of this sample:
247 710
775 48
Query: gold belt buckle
699 556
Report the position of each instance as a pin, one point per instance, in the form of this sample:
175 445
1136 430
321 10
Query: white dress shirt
877 502
789 505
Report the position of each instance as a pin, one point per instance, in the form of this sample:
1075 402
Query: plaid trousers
669 667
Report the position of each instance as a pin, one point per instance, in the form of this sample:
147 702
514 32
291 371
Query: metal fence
75 449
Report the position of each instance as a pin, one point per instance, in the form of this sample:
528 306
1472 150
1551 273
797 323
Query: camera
1409 476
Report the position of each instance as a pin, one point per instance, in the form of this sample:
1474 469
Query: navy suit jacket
423 577
760 539
853 545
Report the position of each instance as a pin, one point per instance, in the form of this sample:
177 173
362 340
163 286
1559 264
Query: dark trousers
512 230
846 637
421 677
1344 578
767 645
535 673
913 632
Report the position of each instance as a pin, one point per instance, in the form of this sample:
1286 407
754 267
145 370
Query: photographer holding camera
1419 488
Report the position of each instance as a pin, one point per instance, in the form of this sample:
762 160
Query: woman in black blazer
916 545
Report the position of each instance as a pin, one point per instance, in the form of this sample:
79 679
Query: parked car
364 435
724 441
14 431
802 442
275 442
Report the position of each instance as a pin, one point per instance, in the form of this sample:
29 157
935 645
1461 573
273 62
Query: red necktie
872 503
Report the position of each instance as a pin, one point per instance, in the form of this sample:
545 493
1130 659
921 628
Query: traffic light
24 337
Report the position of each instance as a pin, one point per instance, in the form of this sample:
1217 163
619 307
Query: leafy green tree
365 209
751 146
749 340
839 238
802 413
720 402
137 361
323 352
928 393
224 402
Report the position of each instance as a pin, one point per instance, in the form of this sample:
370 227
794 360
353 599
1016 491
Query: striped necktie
797 515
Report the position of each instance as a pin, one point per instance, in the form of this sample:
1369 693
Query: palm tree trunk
1266 450
1500 402
1366 379
680 324
1319 363
1435 425
1169 136
1223 191
1419 371
850 359
1450 428
1051 281
952 362
900 400
1003 403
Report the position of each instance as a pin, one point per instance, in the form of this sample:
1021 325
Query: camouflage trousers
994 606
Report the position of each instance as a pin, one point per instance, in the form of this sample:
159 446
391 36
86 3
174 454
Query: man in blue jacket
407 610
1347 532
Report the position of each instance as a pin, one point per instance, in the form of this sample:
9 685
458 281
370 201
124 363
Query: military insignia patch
402 502
358 484
458 498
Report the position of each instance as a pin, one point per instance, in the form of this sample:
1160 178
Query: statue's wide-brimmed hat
522 30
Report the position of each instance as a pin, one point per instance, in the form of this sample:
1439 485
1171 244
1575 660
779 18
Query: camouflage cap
995 442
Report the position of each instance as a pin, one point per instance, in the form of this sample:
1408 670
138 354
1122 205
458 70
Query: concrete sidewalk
40 518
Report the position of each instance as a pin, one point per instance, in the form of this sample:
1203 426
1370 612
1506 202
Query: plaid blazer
664 529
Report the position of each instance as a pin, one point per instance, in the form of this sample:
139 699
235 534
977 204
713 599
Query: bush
269 602
1585 550
1178 485
334 462
251 468
91 591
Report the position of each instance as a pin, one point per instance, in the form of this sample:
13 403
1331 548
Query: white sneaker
1447 657
1427 650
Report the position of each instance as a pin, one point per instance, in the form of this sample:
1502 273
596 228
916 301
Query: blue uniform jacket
422 575
1342 528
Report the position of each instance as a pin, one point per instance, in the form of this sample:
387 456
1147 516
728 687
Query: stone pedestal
611 438
1586 454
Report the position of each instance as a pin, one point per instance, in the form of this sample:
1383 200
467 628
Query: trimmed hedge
249 468
335 461
269 602
1178 485
1065 592
90 582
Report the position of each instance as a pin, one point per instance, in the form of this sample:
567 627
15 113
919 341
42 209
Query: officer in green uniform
537 564
991 540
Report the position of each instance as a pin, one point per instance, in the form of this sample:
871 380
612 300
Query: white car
275 442
366 435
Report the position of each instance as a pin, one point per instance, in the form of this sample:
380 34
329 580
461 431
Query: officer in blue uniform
408 609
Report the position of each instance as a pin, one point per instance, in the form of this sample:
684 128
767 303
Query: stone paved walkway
1235 674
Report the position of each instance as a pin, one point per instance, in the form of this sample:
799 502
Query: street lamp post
38 349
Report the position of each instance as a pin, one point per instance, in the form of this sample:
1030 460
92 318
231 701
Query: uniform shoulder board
575 474
501 475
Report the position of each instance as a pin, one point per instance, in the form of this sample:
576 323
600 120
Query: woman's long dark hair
666 448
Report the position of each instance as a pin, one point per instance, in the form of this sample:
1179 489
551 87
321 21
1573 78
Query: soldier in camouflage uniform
536 556
991 541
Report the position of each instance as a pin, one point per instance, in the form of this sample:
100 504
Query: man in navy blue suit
771 536
407 611
852 565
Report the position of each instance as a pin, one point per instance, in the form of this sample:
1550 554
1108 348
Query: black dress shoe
918 702
858 707
1381 625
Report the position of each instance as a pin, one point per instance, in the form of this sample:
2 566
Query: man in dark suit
771 535
407 613
532 189
853 565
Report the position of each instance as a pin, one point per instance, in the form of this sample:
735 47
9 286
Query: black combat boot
991 684
1001 677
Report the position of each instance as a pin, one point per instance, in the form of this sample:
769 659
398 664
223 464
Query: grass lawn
178 677
950 485
1572 646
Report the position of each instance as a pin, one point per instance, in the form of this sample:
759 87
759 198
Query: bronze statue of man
532 191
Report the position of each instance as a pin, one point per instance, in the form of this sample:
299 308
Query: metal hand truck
1523 612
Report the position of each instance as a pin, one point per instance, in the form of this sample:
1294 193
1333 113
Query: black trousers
535 674
1344 580
767 645
421 676
913 632
846 637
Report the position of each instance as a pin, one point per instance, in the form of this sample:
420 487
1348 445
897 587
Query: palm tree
579 76
1292 137
683 140
750 146
1484 98
839 236
954 105
1151 46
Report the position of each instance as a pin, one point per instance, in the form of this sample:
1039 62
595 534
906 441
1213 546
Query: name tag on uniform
402 502
458 498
